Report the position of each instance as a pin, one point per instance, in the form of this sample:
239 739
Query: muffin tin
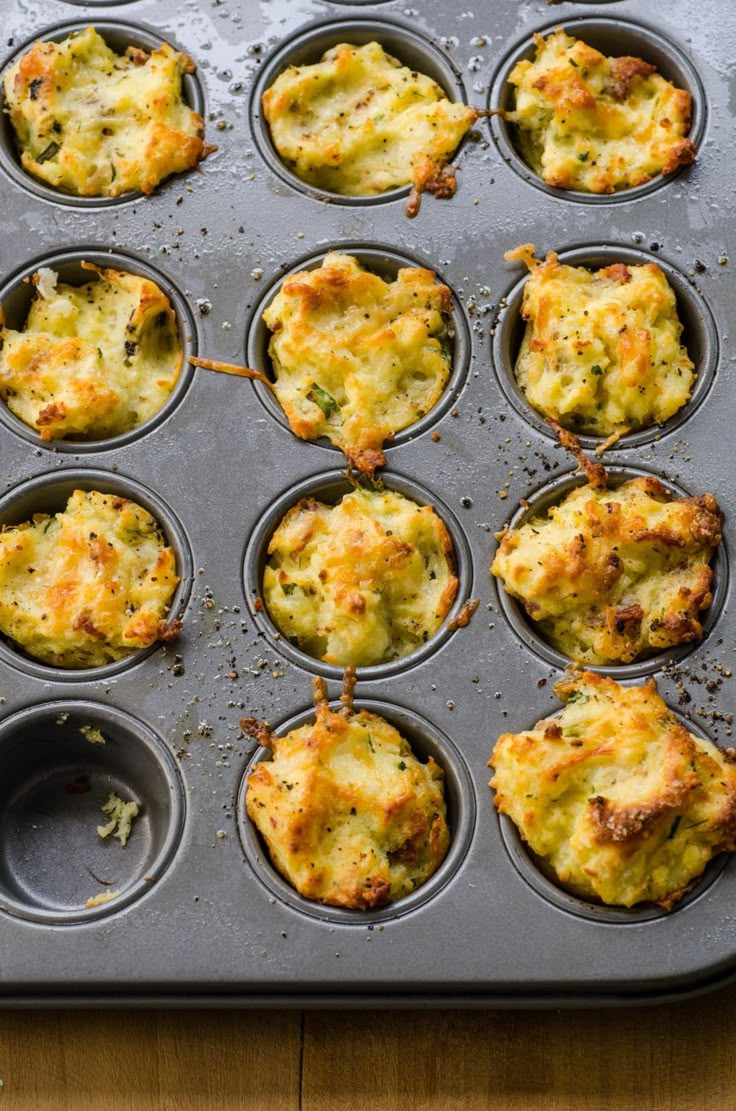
202 917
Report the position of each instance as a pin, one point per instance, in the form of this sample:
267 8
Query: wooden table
662 1058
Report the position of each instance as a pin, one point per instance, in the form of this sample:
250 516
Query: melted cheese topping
357 358
613 575
615 795
92 361
358 122
89 585
362 582
601 353
350 816
96 123
597 124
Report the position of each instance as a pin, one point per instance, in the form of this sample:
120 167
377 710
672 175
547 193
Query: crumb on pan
361 582
88 585
601 353
615 795
97 124
121 815
91 361
358 123
358 358
102 898
595 124
92 734
350 816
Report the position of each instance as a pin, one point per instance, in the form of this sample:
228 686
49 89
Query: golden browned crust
615 795
596 124
89 585
357 358
359 123
610 575
601 353
362 582
96 123
350 816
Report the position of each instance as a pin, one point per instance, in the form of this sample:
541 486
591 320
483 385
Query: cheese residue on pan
350 816
92 735
596 124
102 898
121 815
362 582
601 352
89 585
615 795
92 361
357 358
611 575
97 124
358 122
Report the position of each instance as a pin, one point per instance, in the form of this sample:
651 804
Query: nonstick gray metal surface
203 916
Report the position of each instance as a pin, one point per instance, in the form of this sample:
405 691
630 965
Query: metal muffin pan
218 925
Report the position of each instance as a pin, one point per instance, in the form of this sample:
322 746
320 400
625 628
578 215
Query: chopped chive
288 588
595 369
49 152
323 399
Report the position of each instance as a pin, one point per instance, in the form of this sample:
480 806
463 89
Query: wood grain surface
662 1058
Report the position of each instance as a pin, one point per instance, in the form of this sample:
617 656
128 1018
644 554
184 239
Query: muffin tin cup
552 494
49 493
16 295
614 37
330 487
54 780
425 740
541 879
386 263
118 35
699 336
307 47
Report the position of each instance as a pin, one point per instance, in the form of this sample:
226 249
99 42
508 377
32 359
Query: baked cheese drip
358 122
601 353
597 124
615 795
89 585
362 582
611 575
97 124
357 358
351 818
92 361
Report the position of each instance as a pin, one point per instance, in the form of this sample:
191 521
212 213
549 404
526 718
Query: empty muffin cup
62 762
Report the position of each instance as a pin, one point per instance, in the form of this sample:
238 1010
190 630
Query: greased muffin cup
202 916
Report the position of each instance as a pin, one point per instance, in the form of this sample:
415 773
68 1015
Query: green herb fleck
323 399
288 588
48 152
674 827
573 63
402 766
595 369
370 742
578 696
583 156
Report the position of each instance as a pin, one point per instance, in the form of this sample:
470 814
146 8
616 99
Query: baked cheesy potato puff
98 124
596 124
601 352
359 123
611 575
350 816
362 582
91 361
615 795
357 358
89 585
